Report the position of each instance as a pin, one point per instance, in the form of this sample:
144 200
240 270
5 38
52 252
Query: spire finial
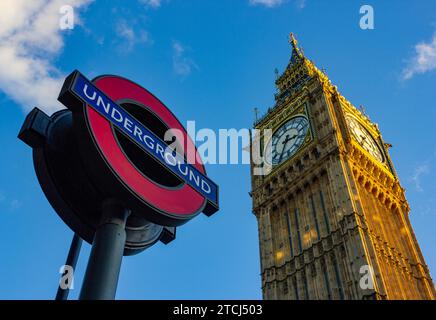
296 51
293 41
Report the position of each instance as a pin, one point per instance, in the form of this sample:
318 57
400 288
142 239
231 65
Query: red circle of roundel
181 202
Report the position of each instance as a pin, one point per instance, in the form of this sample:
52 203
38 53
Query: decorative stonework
332 208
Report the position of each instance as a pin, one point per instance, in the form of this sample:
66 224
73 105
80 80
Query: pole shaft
73 256
101 277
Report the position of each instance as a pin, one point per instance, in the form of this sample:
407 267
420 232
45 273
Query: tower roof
298 72
297 54
297 59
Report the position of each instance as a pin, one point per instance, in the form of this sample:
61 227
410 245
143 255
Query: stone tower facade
332 216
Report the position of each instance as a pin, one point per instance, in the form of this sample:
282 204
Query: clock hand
285 143
281 154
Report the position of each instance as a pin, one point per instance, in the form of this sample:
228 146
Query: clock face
287 140
364 138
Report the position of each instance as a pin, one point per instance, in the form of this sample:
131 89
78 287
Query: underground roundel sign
121 129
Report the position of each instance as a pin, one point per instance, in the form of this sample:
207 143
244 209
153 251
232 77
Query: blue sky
212 62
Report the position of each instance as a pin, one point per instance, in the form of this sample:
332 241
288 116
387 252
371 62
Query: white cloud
423 61
131 37
30 38
267 3
182 65
301 4
151 3
420 170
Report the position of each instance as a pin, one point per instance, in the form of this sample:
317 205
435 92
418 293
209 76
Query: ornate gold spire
294 43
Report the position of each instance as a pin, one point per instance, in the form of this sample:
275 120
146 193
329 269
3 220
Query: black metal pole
101 277
73 256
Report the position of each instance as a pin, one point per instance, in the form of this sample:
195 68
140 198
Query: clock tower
332 216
